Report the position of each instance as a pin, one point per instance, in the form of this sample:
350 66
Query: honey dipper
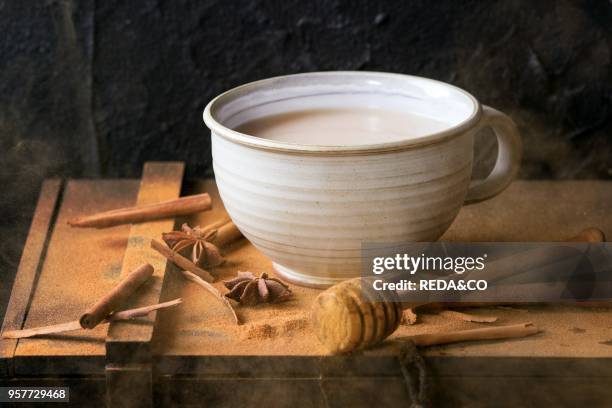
351 316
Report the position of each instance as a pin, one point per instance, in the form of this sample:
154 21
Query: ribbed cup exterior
310 213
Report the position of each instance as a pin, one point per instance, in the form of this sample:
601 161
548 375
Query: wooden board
199 353
129 342
33 252
202 357
80 266
129 371
200 329
536 211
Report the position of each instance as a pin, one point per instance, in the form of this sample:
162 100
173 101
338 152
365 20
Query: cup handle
509 154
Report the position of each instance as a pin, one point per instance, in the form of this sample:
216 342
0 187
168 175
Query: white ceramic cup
309 208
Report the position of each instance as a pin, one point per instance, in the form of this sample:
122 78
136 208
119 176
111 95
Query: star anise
247 289
194 244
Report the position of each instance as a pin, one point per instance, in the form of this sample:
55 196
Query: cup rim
279 146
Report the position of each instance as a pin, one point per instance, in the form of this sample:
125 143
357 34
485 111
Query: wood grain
197 340
523 212
125 341
79 267
29 264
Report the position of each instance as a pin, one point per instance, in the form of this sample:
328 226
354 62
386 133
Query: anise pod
194 244
247 289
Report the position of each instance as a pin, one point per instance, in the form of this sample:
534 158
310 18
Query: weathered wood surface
536 211
129 373
128 341
29 264
198 339
129 385
80 266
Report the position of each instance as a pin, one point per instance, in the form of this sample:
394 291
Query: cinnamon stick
76 325
210 288
217 224
109 303
226 234
488 333
180 261
180 206
142 311
468 317
41 331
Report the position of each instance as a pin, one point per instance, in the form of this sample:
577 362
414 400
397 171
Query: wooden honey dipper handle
348 316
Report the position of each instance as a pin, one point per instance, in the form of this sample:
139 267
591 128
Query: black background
94 88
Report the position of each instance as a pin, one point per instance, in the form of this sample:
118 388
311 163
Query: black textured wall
94 88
